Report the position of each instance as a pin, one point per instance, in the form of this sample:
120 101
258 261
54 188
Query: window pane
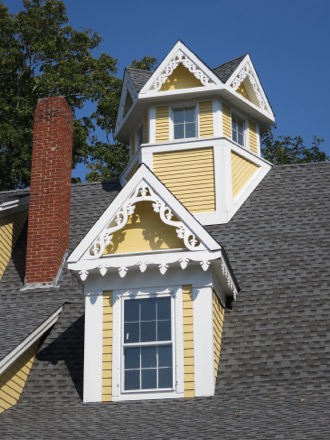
164 308
164 330
132 357
165 356
178 115
178 131
131 310
240 139
132 380
148 356
190 114
149 379
190 130
148 310
131 332
148 331
165 378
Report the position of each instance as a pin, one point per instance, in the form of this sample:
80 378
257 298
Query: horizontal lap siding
189 175
107 347
253 137
10 228
242 171
205 119
188 342
162 124
218 319
12 381
226 121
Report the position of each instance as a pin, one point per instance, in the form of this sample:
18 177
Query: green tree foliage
41 55
282 150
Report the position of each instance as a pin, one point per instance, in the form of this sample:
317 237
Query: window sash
184 122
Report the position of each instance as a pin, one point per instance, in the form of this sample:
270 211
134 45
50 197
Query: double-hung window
185 122
237 129
147 344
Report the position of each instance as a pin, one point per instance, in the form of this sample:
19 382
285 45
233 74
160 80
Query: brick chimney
49 210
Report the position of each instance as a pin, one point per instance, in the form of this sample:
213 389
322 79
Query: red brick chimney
49 210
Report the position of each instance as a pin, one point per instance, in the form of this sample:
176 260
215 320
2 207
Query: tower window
237 129
184 121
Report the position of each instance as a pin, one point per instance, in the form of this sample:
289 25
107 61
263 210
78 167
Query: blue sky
289 42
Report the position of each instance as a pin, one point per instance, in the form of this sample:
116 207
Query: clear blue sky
289 42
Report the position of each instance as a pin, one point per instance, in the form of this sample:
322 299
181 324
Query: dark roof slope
224 71
139 77
274 371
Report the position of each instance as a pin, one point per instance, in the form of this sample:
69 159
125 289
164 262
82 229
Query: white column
203 341
93 347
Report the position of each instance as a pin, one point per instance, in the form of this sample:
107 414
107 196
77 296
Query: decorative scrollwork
247 72
228 277
180 57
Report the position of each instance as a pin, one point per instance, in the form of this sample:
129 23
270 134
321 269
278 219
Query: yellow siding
205 119
12 381
162 124
10 228
242 171
132 143
253 137
146 129
226 121
218 319
144 232
189 175
188 342
181 78
107 347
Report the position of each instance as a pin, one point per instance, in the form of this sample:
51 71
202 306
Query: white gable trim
180 54
246 69
128 88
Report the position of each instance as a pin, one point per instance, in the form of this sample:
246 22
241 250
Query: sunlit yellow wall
218 319
146 129
188 342
12 381
181 78
189 175
253 142
162 124
144 231
205 119
10 228
107 347
226 121
242 91
242 171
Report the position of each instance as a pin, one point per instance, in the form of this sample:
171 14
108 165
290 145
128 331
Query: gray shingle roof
273 380
139 77
224 71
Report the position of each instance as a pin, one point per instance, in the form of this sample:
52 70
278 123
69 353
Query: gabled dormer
156 287
198 129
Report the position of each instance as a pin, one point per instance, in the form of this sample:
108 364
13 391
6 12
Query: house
188 300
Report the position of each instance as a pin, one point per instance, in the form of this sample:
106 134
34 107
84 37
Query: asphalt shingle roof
139 77
224 71
273 380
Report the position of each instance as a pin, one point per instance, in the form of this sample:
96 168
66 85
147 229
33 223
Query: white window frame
180 107
118 344
245 127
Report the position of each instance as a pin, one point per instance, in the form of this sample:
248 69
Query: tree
283 150
41 55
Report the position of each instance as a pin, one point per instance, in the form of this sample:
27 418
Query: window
237 129
147 344
184 122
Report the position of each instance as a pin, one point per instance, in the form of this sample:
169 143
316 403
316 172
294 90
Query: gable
181 78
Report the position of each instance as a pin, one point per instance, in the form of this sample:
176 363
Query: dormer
198 129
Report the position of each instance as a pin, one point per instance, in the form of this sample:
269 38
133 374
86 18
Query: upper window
185 122
237 129
147 344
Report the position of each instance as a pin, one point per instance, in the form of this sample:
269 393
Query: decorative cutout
180 57
142 193
247 72
230 281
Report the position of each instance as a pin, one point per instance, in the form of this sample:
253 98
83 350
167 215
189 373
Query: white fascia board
144 174
128 87
13 206
183 93
179 46
269 113
24 345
